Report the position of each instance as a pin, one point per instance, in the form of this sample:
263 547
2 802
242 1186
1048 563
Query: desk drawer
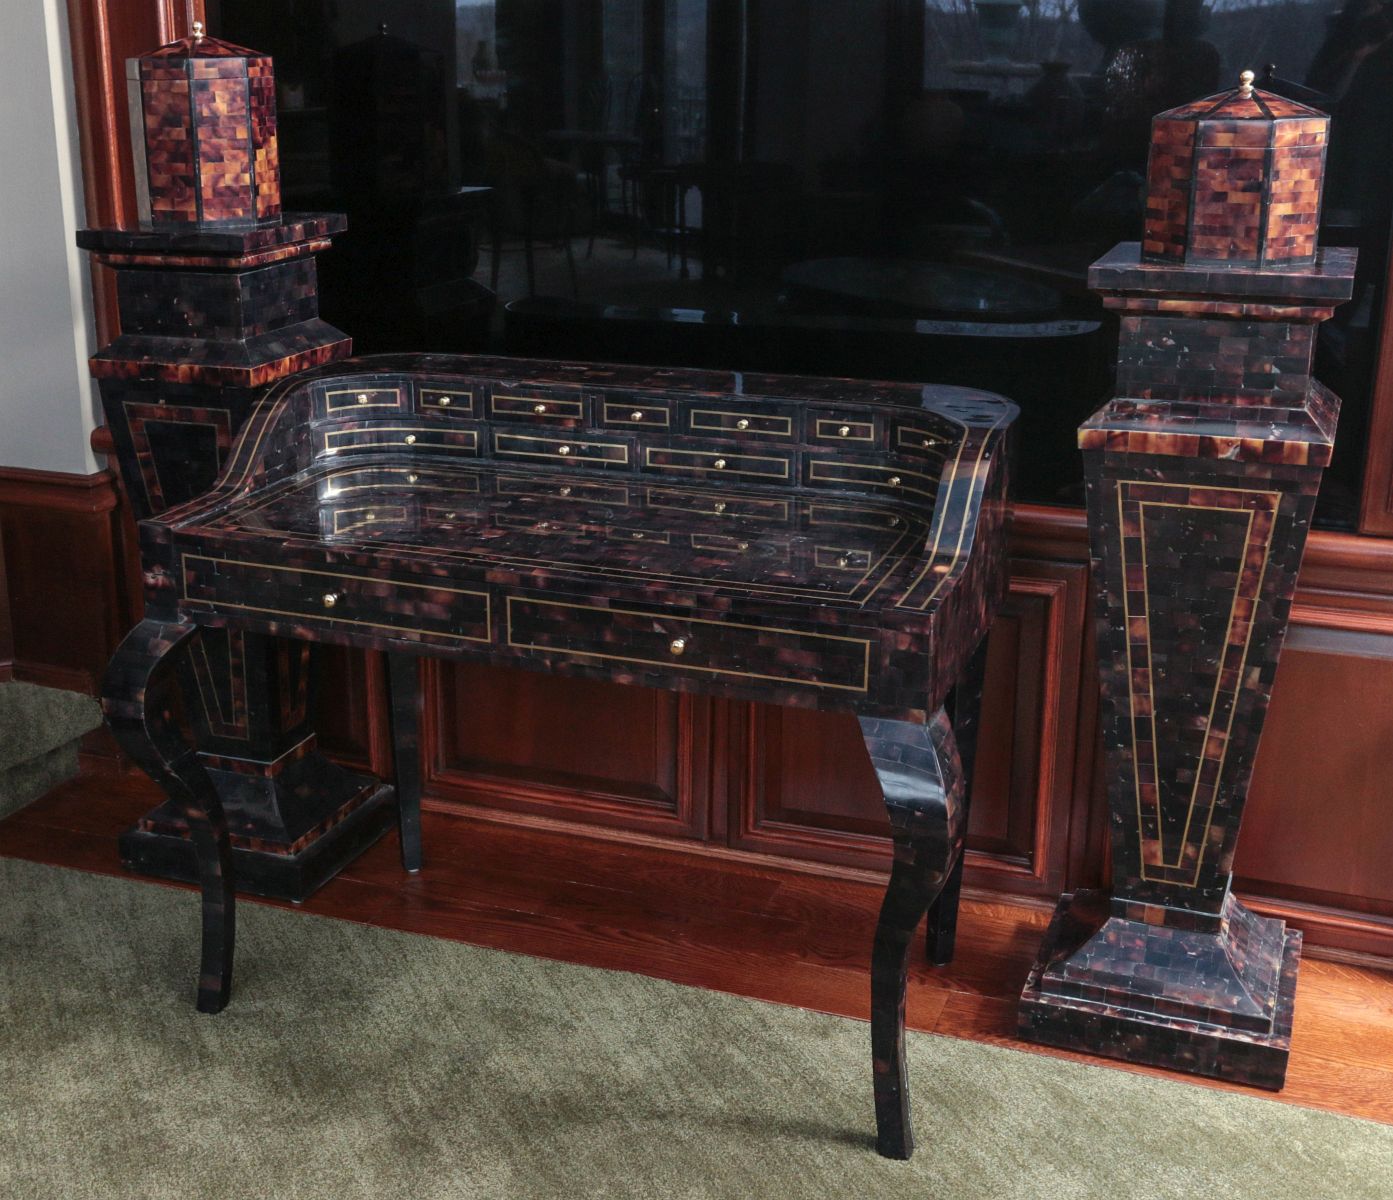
461 441
870 475
856 430
918 437
538 408
370 401
731 419
713 464
561 451
445 401
326 599
652 645
644 414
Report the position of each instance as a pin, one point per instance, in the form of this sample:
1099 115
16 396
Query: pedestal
1202 476
209 318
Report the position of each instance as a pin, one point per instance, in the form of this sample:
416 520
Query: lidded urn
1235 180
203 134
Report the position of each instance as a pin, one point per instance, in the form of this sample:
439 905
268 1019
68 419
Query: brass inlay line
685 621
782 428
1274 504
219 604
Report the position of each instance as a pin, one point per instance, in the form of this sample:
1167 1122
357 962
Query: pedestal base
1103 985
334 816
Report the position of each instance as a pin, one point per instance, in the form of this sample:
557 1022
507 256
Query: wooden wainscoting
789 786
67 568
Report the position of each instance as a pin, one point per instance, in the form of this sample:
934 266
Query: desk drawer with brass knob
538 408
856 430
377 400
717 464
869 474
448 402
461 441
647 413
563 451
757 421
642 647
293 596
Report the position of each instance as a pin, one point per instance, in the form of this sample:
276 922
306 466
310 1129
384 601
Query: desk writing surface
828 550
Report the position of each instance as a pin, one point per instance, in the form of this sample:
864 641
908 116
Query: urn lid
198 45
1235 180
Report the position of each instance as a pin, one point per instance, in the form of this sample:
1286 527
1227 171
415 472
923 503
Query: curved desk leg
966 704
404 684
138 698
921 778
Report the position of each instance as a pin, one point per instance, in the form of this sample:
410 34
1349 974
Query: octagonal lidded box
203 134
1235 180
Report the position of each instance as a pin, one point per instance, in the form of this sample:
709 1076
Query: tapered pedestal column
1202 475
209 318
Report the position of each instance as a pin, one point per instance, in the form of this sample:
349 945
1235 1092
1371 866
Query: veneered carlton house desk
821 543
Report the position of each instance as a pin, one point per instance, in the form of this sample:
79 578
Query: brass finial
1246 84
198 31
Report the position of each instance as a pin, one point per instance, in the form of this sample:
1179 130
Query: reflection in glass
833 186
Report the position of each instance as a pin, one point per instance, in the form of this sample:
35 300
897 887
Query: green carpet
356 1062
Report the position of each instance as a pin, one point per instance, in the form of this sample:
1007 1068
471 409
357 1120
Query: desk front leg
921 779
966 706
139 697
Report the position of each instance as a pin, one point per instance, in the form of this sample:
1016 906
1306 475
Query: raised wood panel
802 786
64 565
1318 828
577 749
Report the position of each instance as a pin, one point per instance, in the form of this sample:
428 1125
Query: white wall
48 404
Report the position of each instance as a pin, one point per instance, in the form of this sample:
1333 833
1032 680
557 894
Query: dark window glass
906 189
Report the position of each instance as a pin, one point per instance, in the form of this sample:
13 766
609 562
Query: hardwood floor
776 934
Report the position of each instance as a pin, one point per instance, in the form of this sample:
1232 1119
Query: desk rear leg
921 779
966 707
404 684
140 699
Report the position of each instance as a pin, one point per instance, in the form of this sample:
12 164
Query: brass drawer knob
539 409
362 397
677 645
894 522
742 424
843 561
894 481
719 464
742 545
330 599
412 478
720 506
844 431
636 415
928 442
565 491
410 439
563 450
444 401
